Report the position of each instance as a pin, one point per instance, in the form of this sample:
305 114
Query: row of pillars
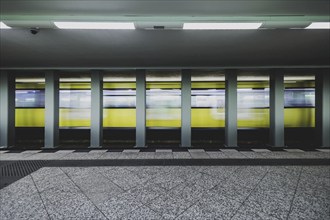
7 109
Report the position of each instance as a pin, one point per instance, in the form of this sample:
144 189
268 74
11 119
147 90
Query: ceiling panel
142 48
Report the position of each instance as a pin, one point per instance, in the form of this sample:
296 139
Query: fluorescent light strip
4 26
319 25
95 25
221 26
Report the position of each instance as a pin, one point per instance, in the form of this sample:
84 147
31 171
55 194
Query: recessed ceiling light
4 26
95 25
221 26
319 25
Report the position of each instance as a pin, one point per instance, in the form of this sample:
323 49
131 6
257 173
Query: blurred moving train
164 103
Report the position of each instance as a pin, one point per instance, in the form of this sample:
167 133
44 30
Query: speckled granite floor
170 192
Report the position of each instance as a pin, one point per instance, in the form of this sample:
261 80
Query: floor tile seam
278 198
219 183
227 177
193 203
319 184
256 213
148 205
207 174
41 191
135 186
39 194
112 158
95 158
169 192
193 179
65 154
225 180
84 194
286 167
190 153
46 190
155 176
167 198
106 177
76 158
100 155
310 195
250 193
49 190
235 199
256 153
149 202
133 210
30 155
235 154
270 172
133 172
294 195
318 175
282 188
19 155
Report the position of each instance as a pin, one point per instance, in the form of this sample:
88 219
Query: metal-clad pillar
276 103
322 111
140 108
51 110
186 109
96 110
231 109
7 109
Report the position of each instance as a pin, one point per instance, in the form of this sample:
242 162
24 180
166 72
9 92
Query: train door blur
299 109
119 109
163 108
253 109
207 108
29 110
75 108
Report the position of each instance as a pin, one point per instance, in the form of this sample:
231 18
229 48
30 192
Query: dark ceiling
55 48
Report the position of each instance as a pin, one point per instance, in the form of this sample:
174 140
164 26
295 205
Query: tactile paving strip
15 170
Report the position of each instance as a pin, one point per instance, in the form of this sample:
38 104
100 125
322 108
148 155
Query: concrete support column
186 109
231 109
51 110
96 110
322 111
276 103
7 109
140 108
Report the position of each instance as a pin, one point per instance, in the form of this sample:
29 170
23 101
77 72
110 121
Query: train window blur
75 101
304 97
30 102
119 100
30 98
299 101
252 100
163 101
207 99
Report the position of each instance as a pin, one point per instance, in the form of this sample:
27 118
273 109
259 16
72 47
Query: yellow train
163 104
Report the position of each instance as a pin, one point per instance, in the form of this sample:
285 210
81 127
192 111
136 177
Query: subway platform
165 184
